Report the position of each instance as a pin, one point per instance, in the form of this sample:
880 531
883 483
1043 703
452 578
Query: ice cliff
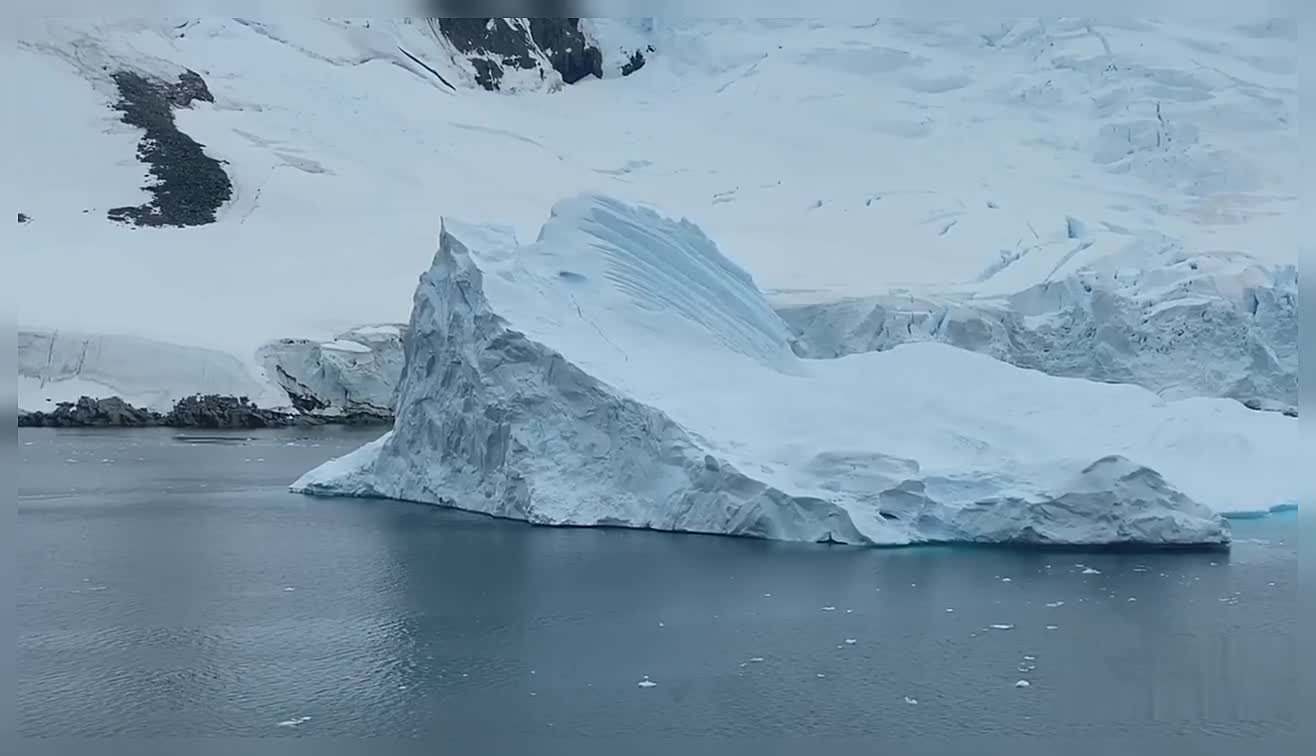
355 374
621 371
1213 325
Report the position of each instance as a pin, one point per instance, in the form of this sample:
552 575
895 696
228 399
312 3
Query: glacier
1155 151
621 371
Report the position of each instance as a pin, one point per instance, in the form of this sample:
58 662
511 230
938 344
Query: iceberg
620 371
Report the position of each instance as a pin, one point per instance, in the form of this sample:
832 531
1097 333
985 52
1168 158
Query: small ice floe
821 675
295 721
27 443
1271 584
1090 571
1002 627
1131 598
289 588
1023 684
1006 580
851 641
847 611
911 701
829 608
1054 604
1139 568
97 587
1052 627
767 595
106 461
913 585
646 683
949 610
1030 658
756 660
661 625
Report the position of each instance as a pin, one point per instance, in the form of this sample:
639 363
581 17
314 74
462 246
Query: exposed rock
189 186
566 48
24 217
496 46
492 45
91 413
213 411
209 411
634 63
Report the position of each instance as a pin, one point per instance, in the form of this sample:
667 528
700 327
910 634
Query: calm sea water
171 587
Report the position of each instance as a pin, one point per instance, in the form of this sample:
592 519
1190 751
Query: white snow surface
955 161
620 370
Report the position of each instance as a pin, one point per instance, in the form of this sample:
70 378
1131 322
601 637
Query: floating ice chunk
829 608
1090 571
646 683
1054 604
755 659
295 721
949 610
659 625
851 641
289 588
1002 627
911 701
1132 598
1023 684
1006 580
821 675
1052 627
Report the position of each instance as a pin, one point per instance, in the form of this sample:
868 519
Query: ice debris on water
1023 684
646 683
1090 571
1052 627
1002 627
755 659
850 641
911 701
1054 604
829 608
295 721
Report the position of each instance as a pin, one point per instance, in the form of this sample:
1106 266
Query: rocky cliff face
505 53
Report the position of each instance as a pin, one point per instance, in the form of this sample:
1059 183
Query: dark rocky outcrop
189 185
565 47
491 44
494 45
91 413
24 217
634 63
213 411
208 411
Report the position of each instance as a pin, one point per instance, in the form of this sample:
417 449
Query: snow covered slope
622 371
957 161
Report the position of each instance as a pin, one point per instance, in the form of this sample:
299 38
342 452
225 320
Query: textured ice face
620 371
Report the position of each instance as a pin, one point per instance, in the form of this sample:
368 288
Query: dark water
173 588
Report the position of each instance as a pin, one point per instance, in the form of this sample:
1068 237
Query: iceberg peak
620 370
